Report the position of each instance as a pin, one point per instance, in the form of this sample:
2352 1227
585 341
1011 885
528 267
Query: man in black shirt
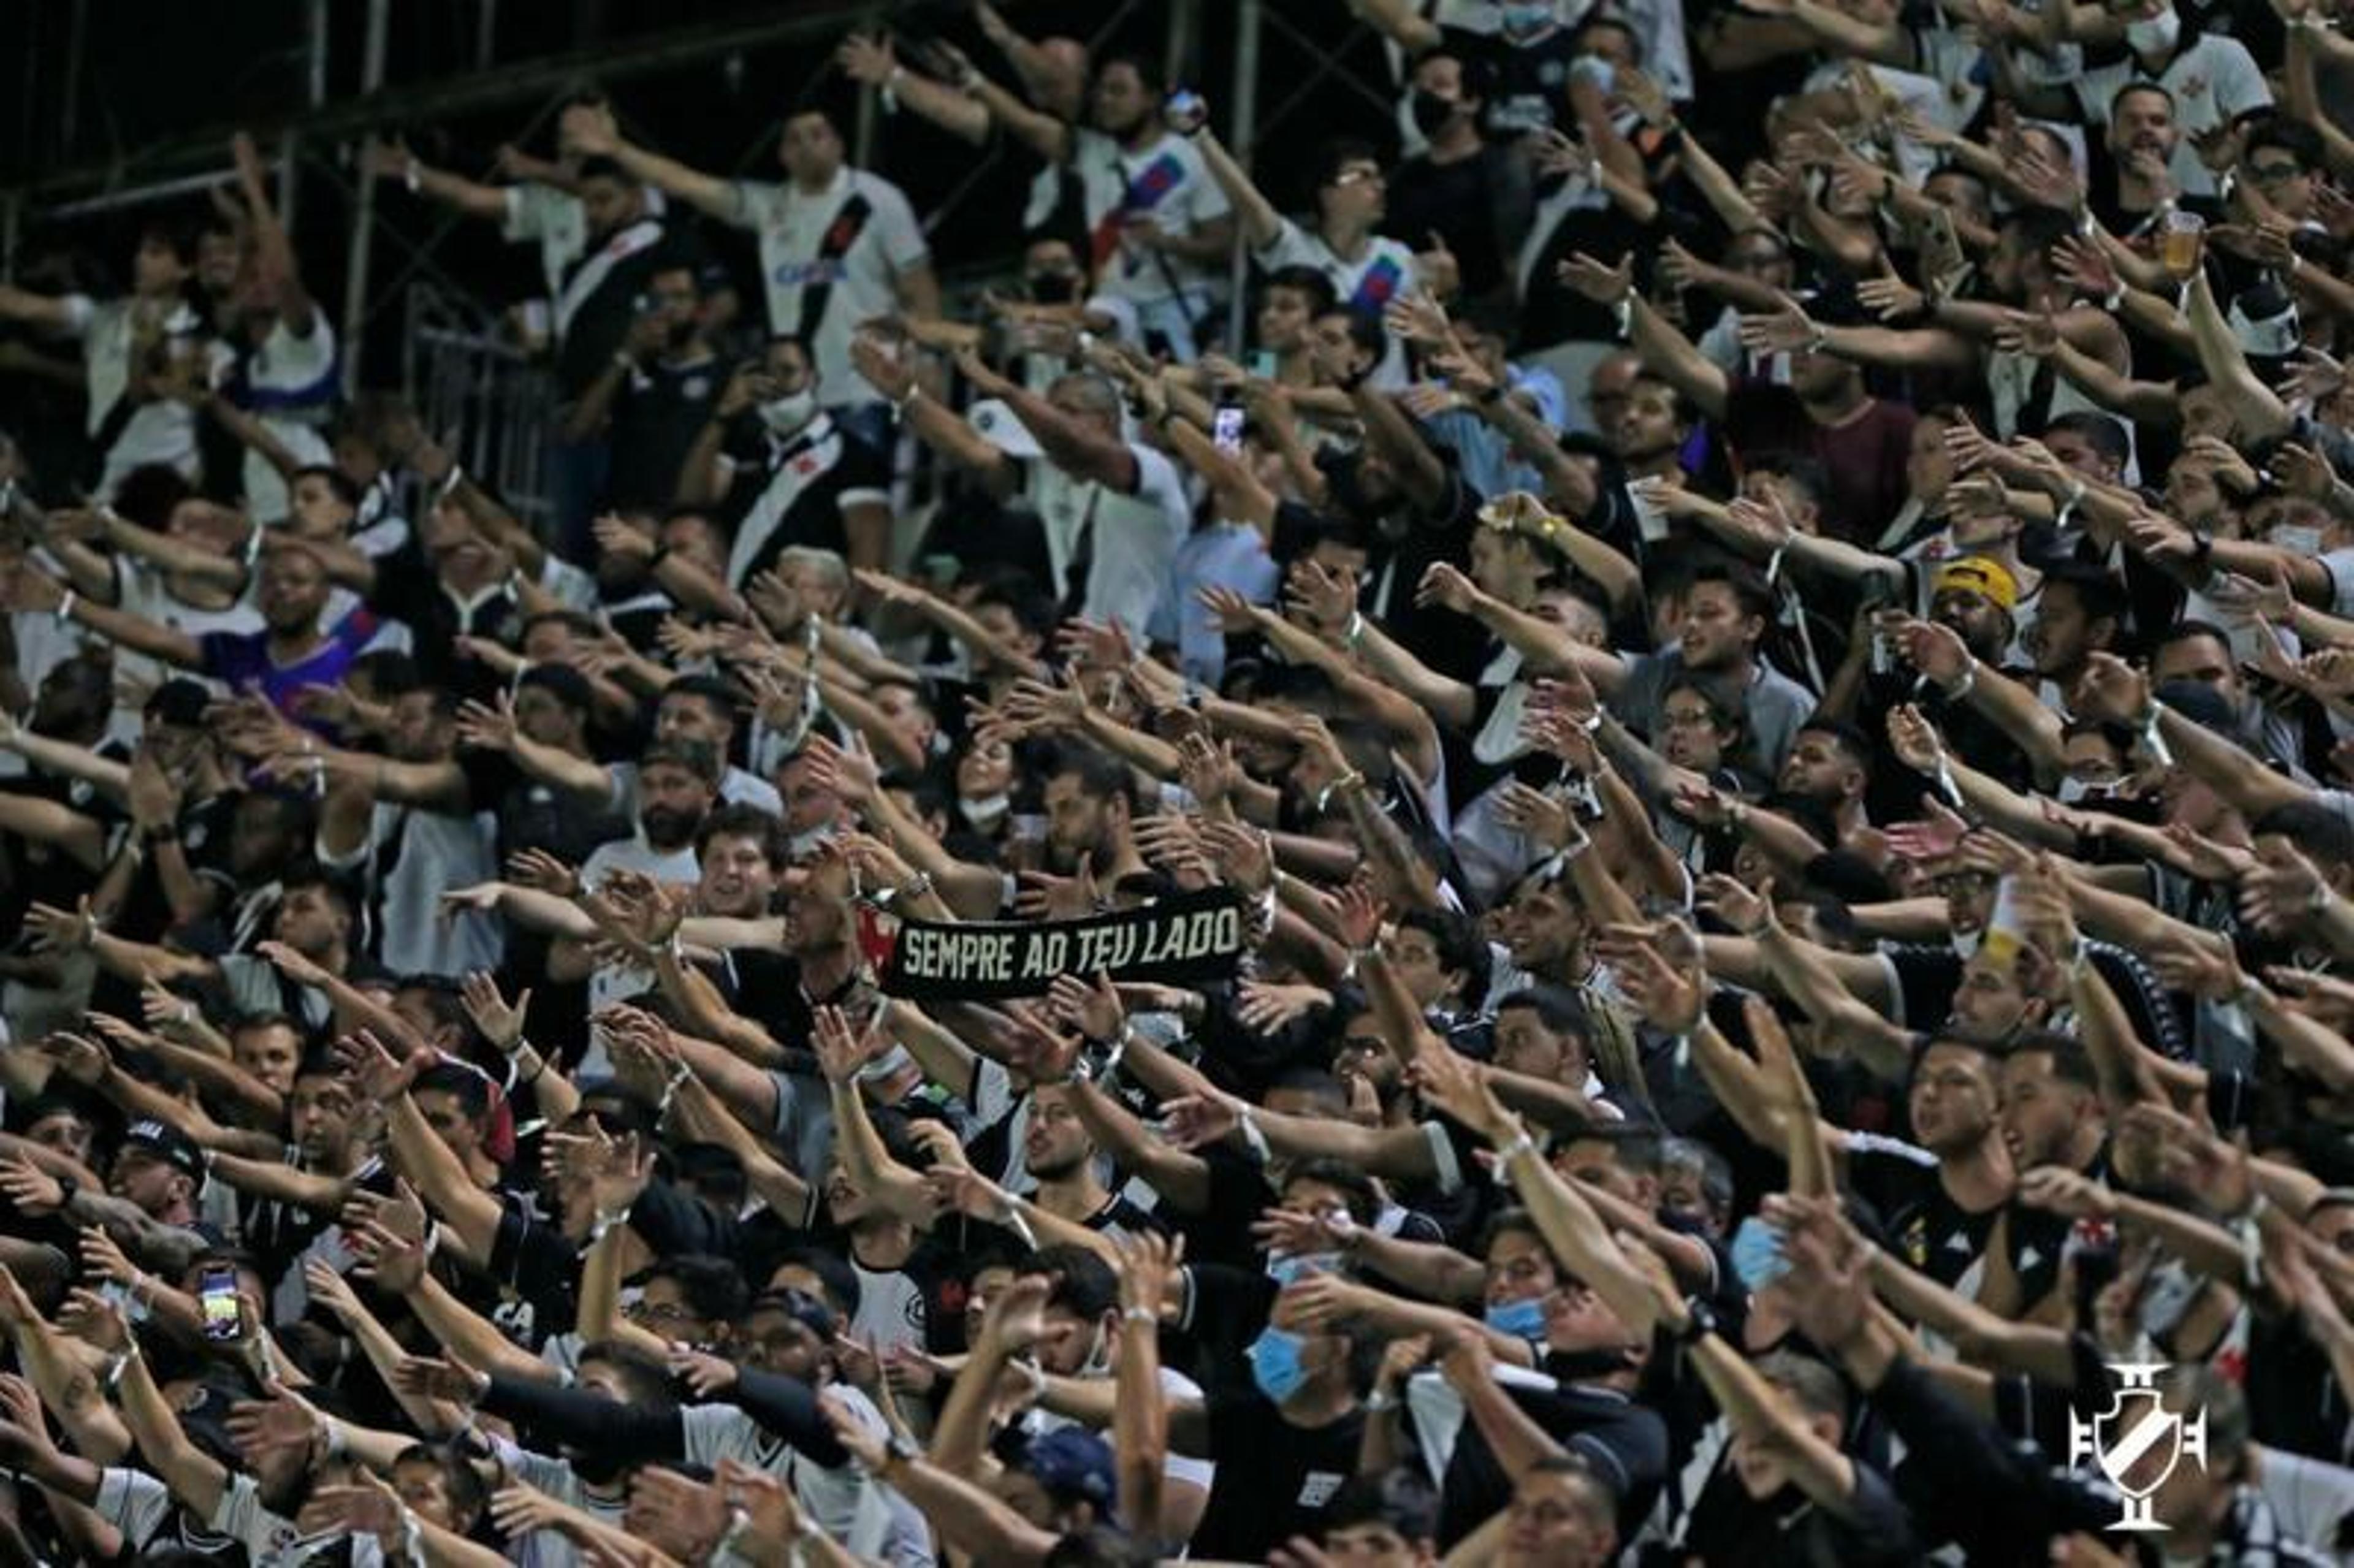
1459 189
655 393
595 304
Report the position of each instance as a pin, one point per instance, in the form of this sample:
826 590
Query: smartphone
1227 426
217 1298
1185 111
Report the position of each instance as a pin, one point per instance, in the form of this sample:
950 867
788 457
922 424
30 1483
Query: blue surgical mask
1284 1269
1522 17
1758 1254
1521 1320
1275 1365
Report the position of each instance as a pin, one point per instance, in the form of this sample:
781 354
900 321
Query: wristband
1377 1402
64 613
1253 1138
1354 632
1523 1144
1962 687
1144 1315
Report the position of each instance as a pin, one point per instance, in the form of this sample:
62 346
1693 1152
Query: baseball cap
1981 575
161 1141
1072 1464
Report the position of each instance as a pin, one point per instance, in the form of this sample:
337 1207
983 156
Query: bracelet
1962 687
915 888
1139 1314
1354 632
64 613
1523 1144
1378 1401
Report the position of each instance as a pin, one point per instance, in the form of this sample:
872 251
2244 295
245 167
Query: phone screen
216 1294
1226 428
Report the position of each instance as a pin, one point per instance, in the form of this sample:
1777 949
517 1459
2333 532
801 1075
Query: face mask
1966 944
802 846
2075 791
2155 35
1098 1361
1595 69
1758 1254
987 811
1299 1265
788 414
1275 1365
2298 540
1054 287
1431 112
1522 20
1521 1320
884 1065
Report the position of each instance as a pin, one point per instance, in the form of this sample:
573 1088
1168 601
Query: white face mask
2298 540
886 1067
2074 790
788 414
1966 944
987 811
2154 34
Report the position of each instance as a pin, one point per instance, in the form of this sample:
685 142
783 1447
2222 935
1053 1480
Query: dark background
155 81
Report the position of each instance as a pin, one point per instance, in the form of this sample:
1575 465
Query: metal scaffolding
452 360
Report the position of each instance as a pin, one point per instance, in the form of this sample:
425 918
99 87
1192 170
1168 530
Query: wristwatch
1700 1320
901 1449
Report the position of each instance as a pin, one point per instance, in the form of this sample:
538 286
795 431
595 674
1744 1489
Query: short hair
465 1084
1716 1171
2071 1061
2190 630
1341 152
710 688
1852 739
1748 589
1101 775
2320 833
1031 606
599 167
2294 137
468 1494
1147 68
1079 1281
1558 1008
699 758
828 564
1458 944
2143 85
1634 1147
645 1379
312 876
1396 1497
734 819
1816 1387
1365 327
714 1286
2101 595
835 1277
2103 432
339 483
1309 280
1804 473
1357 1190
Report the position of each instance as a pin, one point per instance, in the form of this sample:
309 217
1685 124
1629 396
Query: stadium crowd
1651 995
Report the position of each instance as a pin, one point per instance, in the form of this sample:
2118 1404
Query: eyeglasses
2274 173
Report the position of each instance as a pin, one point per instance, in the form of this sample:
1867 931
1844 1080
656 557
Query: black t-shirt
1274 1479
1789 1528
660 411
609 280
1460 202
1928 1229
1627 1443
791 491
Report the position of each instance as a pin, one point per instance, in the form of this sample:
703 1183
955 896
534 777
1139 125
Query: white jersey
830 261
162 431
290 385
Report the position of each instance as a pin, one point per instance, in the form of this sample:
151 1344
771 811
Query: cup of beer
2180 242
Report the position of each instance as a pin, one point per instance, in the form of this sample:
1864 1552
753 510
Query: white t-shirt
411 857
1132 538
162 431
2213 79
793 226
554 220
1386 271
290 385
613 983
1164 180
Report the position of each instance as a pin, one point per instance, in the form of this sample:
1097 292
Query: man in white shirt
137 352
1367 269
1114 511
279 362
1158 228
838 246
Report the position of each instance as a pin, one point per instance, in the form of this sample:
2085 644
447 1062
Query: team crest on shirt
1317 1487
694 388
806 464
